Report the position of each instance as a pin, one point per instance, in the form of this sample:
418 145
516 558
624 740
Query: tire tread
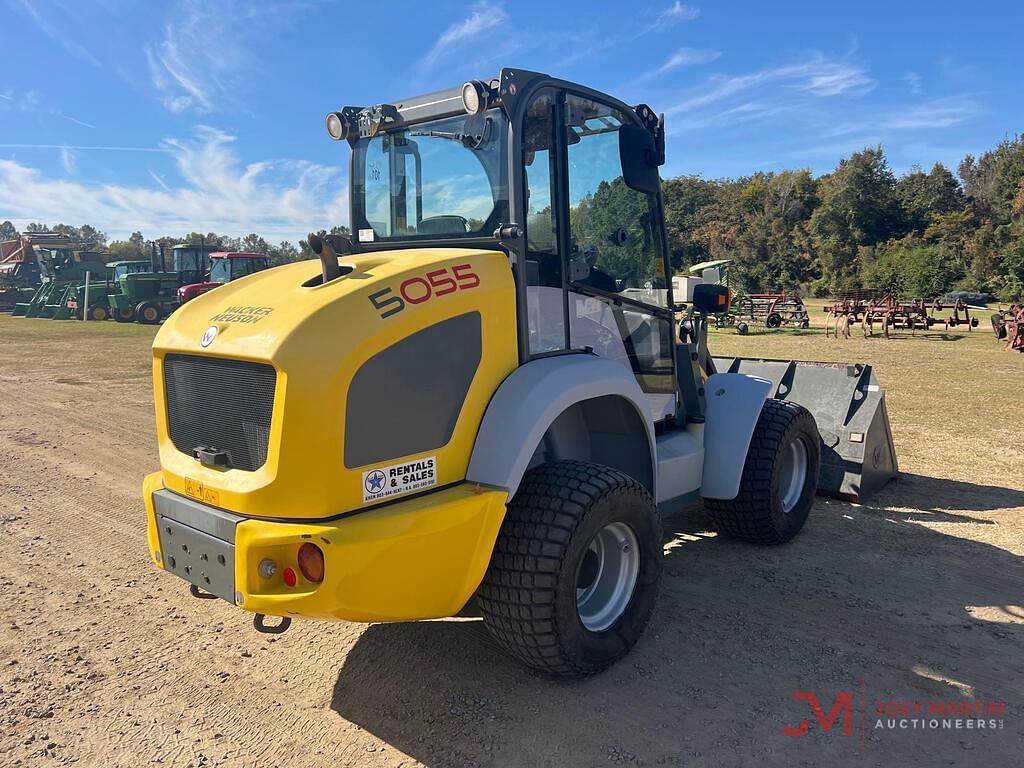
518 594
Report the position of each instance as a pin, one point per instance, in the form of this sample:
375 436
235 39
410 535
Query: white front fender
734 402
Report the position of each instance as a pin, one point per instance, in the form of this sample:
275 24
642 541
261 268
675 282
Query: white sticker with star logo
382 482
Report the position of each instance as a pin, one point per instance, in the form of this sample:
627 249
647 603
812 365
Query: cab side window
615 243
545 299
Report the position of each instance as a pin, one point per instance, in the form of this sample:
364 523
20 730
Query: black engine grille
220 404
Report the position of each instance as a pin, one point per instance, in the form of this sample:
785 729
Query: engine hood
318 337
256 316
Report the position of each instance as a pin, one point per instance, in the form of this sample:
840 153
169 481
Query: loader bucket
857 452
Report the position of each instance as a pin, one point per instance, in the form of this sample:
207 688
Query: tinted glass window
616 243
544 296
442 178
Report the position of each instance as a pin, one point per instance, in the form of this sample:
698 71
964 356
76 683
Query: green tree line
919 235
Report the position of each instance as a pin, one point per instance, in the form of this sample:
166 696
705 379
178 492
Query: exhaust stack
328 256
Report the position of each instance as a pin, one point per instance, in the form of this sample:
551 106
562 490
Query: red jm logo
843 705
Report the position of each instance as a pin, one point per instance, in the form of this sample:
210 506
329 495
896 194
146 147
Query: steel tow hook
277 629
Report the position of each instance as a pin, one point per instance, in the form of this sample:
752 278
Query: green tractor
61 269
100 300
150 296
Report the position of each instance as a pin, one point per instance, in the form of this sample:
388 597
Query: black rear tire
758 513
529 595
998 326
98 312
148 312
125 315
774 320
742 328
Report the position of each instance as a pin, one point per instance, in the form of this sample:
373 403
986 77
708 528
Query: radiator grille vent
220 404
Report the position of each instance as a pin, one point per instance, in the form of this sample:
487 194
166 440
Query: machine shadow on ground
736 630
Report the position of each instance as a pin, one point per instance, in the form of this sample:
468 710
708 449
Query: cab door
596 262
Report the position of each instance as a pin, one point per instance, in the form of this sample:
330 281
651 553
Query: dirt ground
106 661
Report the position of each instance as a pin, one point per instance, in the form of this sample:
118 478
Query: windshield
189 260
220 271
121 270
439 179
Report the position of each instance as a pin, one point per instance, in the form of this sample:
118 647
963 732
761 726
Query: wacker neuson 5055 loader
481 398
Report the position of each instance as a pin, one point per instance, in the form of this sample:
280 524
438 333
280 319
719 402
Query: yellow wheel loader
479 399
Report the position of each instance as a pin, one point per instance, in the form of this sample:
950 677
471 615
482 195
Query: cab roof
237 255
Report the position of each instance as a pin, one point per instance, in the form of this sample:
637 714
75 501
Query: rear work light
311 562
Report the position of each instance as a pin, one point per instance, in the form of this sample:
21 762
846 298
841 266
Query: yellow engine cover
317 337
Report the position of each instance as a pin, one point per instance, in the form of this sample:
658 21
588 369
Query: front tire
147 312
780 476
575 570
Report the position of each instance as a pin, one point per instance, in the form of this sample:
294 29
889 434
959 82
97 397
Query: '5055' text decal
418 289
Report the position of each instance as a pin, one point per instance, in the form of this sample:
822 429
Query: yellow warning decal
200 492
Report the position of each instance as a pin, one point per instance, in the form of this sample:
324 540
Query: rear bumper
418 559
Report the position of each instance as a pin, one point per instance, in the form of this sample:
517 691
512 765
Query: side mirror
638 155
711 299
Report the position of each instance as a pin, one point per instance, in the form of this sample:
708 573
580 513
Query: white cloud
76 121
159 180
834 78
914 83
816 75
938 113
53 31
678 12
30 101
277 198
205 56
925 115
484 16
67 159
684 57
669 17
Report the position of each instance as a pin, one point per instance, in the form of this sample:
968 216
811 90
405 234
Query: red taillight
289 577
311 562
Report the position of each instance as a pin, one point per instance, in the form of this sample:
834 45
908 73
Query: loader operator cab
574 170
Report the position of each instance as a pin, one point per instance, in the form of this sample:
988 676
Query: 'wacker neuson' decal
382 482
248 315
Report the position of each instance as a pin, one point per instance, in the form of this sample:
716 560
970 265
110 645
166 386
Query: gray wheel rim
607 576
792 471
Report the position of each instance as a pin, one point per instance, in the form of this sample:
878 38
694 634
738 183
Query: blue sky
185 115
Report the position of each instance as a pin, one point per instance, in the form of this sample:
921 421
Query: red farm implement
889 312
1008 325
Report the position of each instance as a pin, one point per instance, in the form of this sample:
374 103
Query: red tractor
225 266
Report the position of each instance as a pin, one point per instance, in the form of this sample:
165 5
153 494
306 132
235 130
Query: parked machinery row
48 275
888 312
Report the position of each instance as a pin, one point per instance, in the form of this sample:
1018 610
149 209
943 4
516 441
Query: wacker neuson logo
853 706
